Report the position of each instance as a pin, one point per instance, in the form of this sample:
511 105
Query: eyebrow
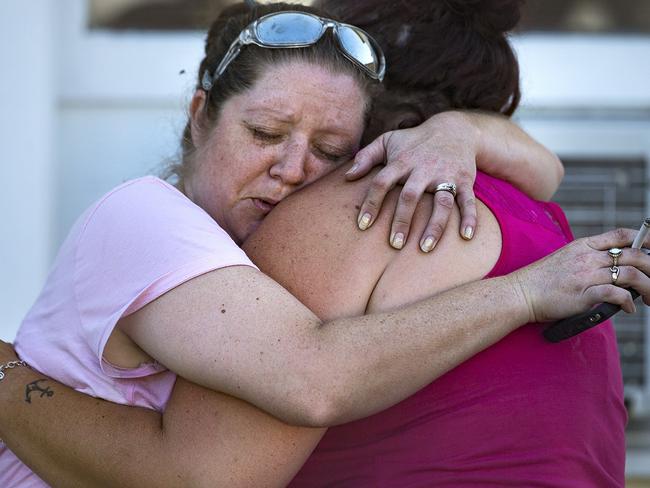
279 115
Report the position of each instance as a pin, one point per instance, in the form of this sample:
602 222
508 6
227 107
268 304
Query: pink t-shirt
524 412
136 243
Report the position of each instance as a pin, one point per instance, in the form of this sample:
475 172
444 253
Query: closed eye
264 135
335 157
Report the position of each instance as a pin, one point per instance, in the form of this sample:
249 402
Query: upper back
311 245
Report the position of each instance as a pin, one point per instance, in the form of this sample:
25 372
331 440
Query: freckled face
295 125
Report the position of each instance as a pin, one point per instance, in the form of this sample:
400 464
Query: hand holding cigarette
572 326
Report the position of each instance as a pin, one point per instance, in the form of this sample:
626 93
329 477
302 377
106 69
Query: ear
197 116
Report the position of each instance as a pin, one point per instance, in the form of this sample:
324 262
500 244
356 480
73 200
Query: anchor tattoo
34 386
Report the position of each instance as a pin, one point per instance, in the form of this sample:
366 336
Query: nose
291 164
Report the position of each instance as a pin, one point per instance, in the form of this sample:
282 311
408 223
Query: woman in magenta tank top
524 412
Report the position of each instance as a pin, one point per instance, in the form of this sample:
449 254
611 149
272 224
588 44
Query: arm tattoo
34 386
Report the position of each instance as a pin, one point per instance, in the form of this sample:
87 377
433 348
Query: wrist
462 125
523 302
16 363
479 128
16 374
14 379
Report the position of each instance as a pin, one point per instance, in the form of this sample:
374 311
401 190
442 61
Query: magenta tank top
524 412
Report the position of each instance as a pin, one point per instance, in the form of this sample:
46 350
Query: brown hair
441 54
244 71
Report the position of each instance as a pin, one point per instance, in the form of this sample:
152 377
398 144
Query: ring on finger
615 272
615 253
448 187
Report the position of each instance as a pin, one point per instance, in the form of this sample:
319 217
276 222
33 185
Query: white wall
120 108
81 111
27 107
586 71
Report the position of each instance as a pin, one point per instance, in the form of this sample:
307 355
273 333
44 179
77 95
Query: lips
265 205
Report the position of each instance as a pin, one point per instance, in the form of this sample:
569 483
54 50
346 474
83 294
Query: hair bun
455 49
489 17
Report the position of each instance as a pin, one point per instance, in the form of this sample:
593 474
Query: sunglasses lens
289 28
357 45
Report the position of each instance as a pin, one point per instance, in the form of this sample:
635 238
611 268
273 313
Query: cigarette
643 233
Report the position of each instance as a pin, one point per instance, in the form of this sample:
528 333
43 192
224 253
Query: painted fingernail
364 221
468 233
397 240
427 244
354 167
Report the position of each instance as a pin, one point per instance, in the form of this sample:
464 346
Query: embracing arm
245 335
268 349
449 147
204 438
53 433
506 151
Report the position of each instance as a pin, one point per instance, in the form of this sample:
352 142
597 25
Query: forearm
504 150
285 361
203 439
71 439
369 363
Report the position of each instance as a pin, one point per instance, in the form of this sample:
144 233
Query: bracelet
11 365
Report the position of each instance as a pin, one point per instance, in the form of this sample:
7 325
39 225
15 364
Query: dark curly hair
441 54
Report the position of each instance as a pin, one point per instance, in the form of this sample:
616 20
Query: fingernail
428 244
354 167
397 240
468 233
364 221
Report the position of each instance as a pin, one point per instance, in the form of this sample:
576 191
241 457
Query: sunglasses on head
292 29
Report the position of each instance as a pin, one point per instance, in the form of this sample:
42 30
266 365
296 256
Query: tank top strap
530 229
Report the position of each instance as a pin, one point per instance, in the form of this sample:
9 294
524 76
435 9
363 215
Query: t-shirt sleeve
141 240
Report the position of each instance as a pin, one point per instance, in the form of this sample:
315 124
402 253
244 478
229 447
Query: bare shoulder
311 245
413 275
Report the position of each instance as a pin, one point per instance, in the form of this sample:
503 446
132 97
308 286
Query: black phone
566 328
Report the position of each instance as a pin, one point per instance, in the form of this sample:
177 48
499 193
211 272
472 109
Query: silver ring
448 187
615 253
615 272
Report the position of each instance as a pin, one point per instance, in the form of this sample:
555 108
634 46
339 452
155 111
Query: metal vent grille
597 196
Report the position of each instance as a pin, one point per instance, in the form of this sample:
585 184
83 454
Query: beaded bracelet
11 365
